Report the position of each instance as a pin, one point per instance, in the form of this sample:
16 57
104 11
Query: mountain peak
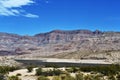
57 31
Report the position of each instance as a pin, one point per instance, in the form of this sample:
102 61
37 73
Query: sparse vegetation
103 72
38 71
54 72
42 78
73 69
118 77
2 77
13 78
67 77
111 77
6 69
56 78
79 76
52 65
106 70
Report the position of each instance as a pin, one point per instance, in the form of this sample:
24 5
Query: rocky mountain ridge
57 42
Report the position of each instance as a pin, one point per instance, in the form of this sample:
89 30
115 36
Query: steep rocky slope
62 44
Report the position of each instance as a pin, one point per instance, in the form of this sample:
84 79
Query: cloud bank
14 8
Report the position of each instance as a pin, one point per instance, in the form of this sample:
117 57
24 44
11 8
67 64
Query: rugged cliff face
58 42
58 36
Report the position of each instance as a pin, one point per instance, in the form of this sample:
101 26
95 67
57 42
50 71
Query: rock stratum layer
63 44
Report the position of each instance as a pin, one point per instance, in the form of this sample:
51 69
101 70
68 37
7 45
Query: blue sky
38 16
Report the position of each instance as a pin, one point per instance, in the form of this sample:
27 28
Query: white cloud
31 15
15 11
14 8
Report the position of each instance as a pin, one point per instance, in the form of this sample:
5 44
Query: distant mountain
57 36
57 42
10 42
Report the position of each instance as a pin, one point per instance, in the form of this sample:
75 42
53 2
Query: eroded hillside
63 44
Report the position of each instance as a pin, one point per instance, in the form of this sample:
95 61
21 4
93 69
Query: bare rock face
57 36
84 42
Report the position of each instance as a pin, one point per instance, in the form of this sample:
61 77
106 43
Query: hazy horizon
54 30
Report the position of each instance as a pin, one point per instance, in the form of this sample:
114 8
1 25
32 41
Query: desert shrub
79 76
18 74
6 69
97 77
2 77
118 77
54 72
39 71
72 69
42 78
93 77
56 78
29 68
13 78
87 77
104 69
52 65
67 77
111 77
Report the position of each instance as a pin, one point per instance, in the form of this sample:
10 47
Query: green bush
29 68
56 72
39 71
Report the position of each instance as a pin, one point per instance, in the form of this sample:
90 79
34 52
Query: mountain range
63 44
